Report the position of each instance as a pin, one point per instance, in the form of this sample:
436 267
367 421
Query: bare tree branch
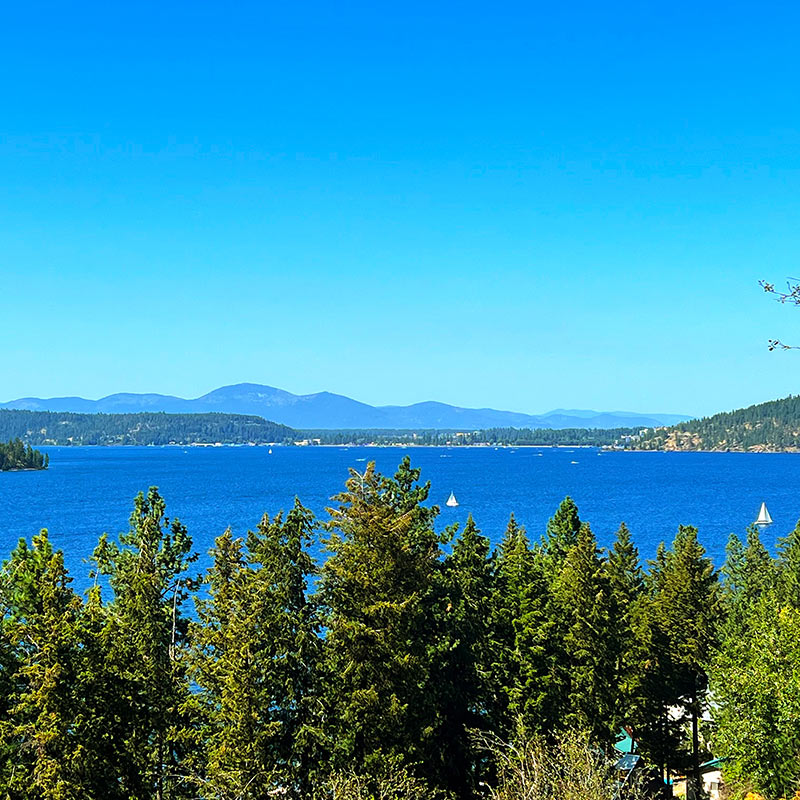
792 296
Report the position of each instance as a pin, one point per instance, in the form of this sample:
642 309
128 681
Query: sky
523 205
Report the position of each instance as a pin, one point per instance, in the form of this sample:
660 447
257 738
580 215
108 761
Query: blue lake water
88 491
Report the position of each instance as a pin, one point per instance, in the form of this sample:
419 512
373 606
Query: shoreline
397 445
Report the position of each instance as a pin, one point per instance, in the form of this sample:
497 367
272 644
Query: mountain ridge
330 411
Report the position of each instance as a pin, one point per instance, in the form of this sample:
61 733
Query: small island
18 456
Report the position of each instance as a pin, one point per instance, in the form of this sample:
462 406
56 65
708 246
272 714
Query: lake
89 490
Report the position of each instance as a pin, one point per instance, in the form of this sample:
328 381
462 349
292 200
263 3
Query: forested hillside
16 455
66 428
396 668
767 427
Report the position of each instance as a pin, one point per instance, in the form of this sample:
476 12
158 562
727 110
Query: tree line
544 437
379 671
16 455
67 428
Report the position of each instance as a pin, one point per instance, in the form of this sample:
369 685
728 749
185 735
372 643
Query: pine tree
254 658
687 606
146 630
652 691
626 585
513 561
528 670
749 573
562 533
41 731
731 572
536 701
381 587
461 676
583 595
789 567
758 568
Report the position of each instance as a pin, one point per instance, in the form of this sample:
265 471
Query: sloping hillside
65 428
773 426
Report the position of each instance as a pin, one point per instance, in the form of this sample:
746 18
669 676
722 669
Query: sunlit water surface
88 491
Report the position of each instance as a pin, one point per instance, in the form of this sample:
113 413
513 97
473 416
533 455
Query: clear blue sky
518 205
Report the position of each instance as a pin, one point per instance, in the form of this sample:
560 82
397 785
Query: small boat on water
763 516
451 501
269 452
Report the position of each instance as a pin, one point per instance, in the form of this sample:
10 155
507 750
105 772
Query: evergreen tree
789 567
687 608
381 587
255 655
749 573
40 626
583 595
757 695
16 455
145 632
561 535
754 678
513 560
626 585
731 572
537 698
462 675
528 668
652 691
758 568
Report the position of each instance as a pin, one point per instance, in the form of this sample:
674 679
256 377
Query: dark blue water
88 491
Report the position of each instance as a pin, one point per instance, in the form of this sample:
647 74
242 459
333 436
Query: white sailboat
763 516
451 501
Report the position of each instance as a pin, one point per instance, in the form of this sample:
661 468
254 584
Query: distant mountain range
328 411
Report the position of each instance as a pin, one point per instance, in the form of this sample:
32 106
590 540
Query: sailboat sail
763 516
451 501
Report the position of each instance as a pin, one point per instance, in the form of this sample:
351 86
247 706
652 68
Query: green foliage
398 668
464 624
15 456
754 677
41 627
391 781
757 686
514 562
750 574
626 584
255 657
583 594
146 633
562 534
675 625
382 587
789 567
568 768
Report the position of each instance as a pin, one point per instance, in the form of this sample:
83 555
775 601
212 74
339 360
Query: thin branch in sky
792 296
